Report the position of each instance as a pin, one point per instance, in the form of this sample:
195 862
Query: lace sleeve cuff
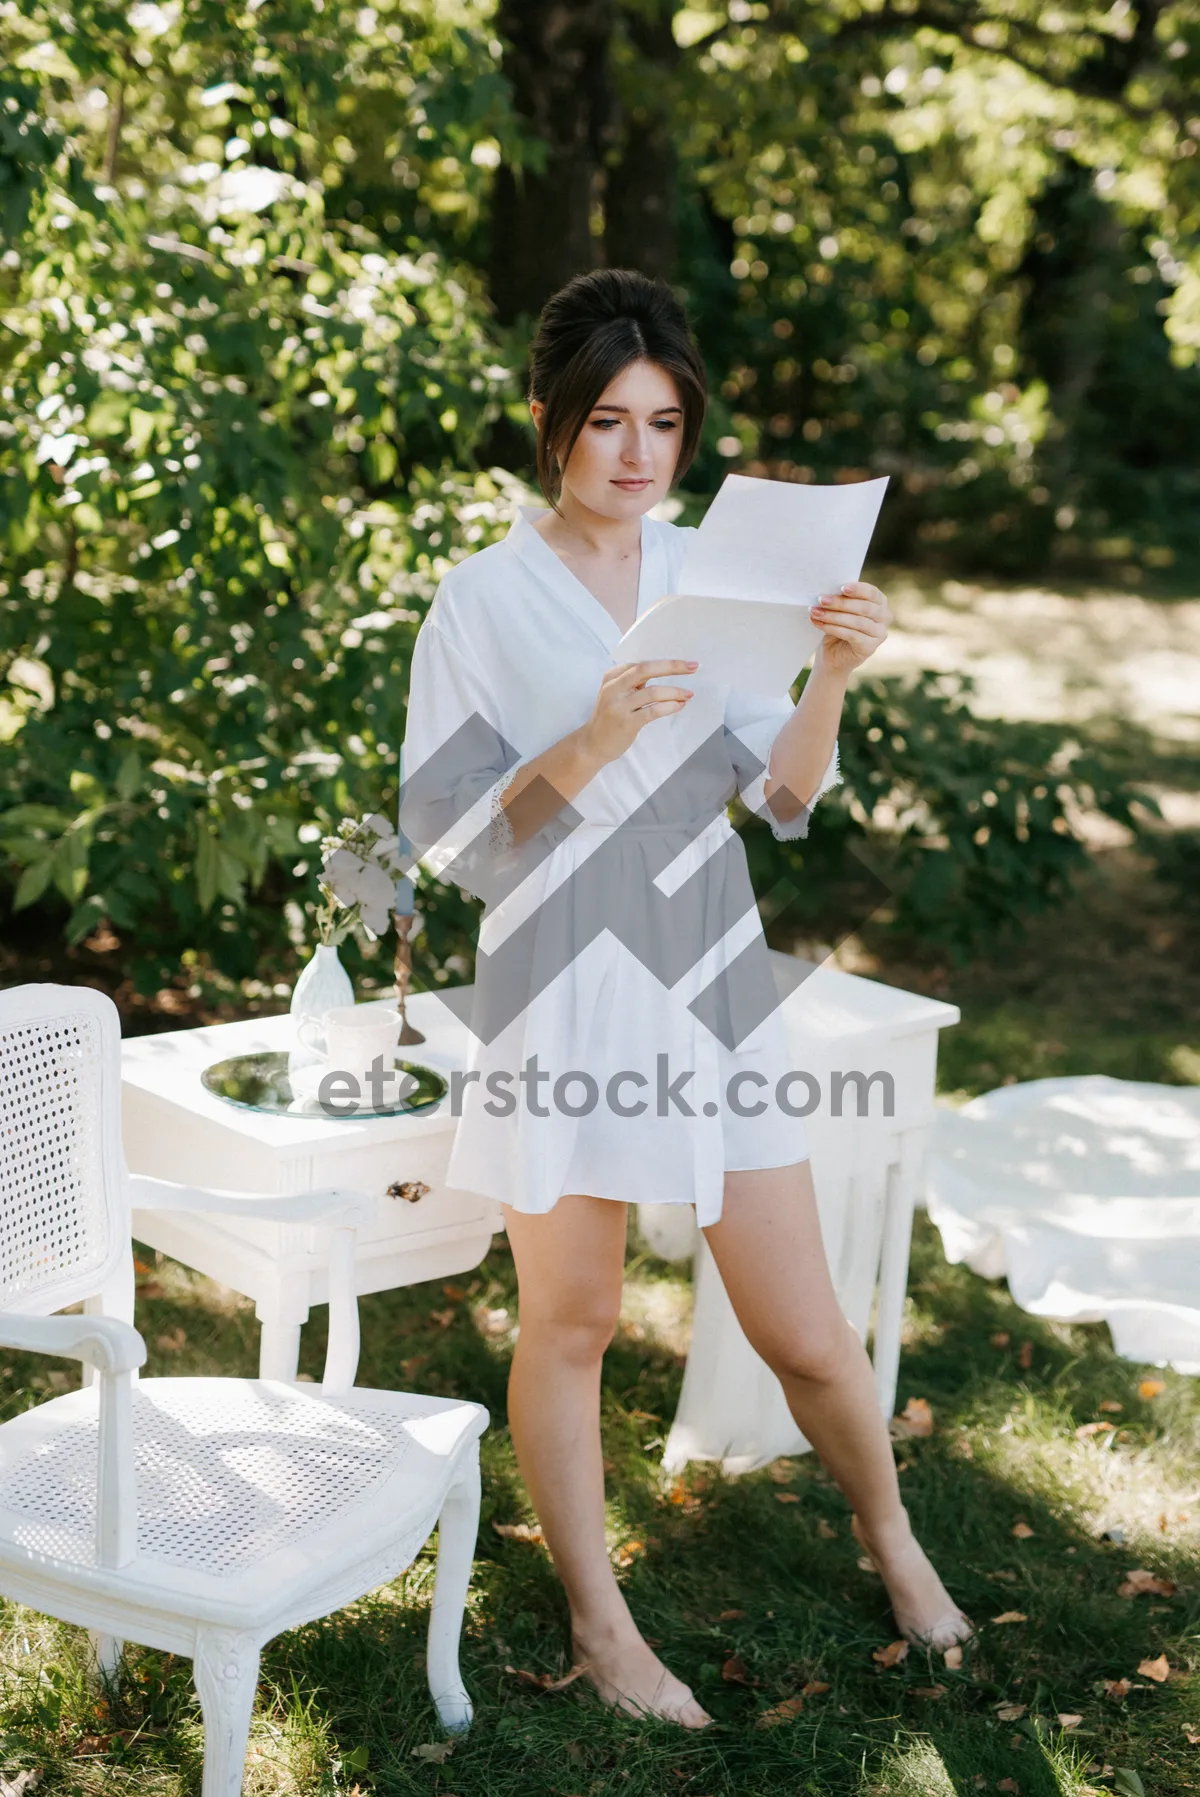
500 830
796 827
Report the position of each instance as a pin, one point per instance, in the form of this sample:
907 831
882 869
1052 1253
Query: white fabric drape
1085 1192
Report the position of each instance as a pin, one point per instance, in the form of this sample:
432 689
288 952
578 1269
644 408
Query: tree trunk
640 188
556 58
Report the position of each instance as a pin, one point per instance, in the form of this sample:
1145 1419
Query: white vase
323 983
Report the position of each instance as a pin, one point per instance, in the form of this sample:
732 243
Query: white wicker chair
199 1516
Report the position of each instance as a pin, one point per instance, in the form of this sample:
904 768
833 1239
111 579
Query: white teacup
350 1038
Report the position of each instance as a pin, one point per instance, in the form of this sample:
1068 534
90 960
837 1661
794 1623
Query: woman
586 806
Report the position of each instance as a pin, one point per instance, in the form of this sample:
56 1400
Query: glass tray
260 1082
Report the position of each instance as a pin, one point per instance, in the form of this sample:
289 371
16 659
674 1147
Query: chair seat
249 1491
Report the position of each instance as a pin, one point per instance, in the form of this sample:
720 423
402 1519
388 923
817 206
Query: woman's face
624 458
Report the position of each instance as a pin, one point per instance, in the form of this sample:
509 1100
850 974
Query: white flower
341 873
377 891
355 882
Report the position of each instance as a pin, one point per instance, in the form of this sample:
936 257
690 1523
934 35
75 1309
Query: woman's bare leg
771 1258
570 1266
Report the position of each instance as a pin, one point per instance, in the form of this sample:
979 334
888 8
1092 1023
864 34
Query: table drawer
407 1178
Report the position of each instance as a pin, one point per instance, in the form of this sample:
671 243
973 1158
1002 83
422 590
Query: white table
175 1129
867 1171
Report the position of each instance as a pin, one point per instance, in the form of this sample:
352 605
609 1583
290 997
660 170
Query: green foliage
249 374
228 471
961 251
964 822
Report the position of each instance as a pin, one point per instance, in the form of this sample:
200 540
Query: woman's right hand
625 704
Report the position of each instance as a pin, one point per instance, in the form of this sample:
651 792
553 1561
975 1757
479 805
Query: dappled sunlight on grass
656 1308
915 1770
750 1587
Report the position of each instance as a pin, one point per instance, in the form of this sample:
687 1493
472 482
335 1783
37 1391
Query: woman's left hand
853 623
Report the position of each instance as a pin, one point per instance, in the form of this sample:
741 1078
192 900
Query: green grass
713 1568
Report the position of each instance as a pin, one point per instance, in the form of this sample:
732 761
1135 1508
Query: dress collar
548 567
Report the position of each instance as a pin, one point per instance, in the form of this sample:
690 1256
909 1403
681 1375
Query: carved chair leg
458 1527
225 1669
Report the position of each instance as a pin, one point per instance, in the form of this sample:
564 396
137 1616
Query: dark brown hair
588 332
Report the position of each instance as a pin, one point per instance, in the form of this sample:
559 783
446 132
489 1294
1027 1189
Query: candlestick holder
403 966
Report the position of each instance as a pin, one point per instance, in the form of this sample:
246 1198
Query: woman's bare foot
925 1612
630 1677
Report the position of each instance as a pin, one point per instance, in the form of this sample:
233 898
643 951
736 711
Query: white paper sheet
771 545
779 540
756 646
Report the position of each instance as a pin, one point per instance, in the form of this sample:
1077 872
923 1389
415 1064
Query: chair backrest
64 1214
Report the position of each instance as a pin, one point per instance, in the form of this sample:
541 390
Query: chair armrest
344 1212
347 1210
116 1350
103 1342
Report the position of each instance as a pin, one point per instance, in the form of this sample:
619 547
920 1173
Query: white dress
507 662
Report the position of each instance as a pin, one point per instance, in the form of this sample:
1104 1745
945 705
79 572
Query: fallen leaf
437 1751
1001 1338
814 1688
1011 1616
929 1690
1007 1784
1022 1531
890 1655
952 1659
866 1565
171 1341
1086 1430
455 1293
786 1497
787 1711
1117 1688
1151 1388
1068 1721
139 1266
1111 1405
734 1671
1141 1582
782 1471
1191 1735
731 1616
1025 1361
915 1420
441 1318
1159 1670
1011 1712
519 1531
546 1681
